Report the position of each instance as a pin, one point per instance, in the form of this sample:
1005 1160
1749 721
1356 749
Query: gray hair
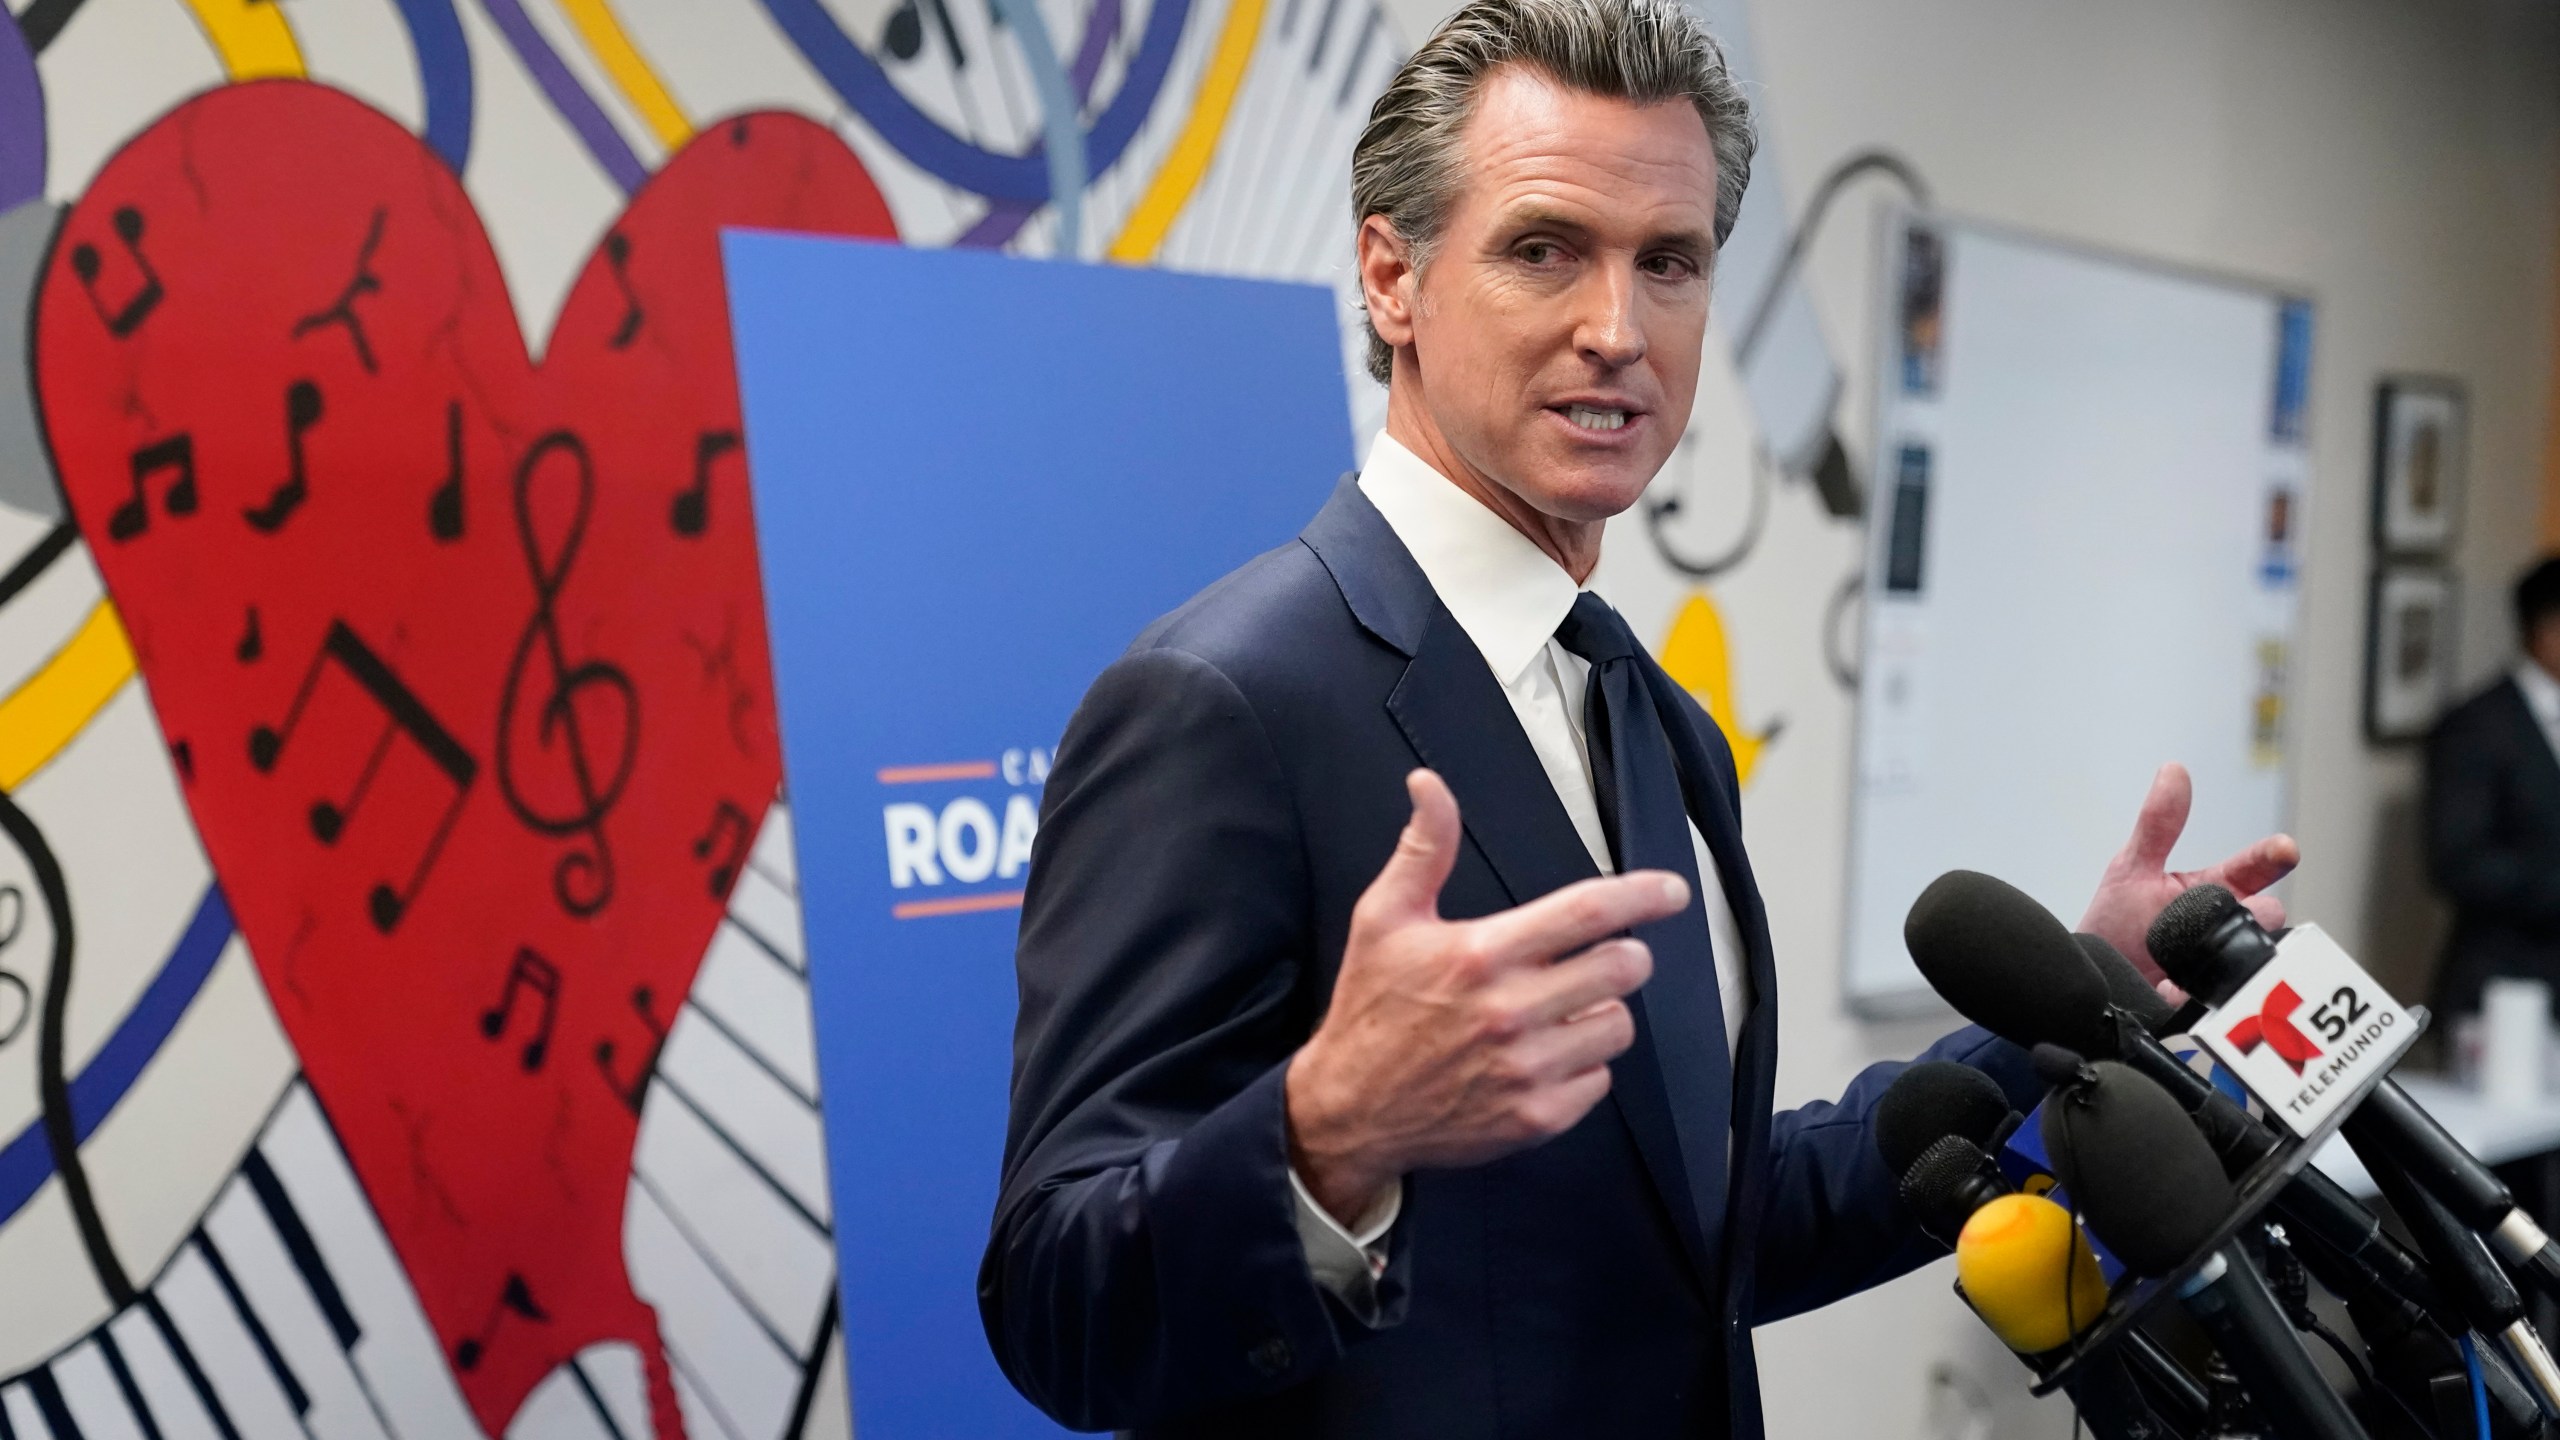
1407 164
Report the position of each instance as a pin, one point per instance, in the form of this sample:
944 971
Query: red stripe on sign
947 770
956 905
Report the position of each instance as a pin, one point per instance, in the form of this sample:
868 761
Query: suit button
1272 1357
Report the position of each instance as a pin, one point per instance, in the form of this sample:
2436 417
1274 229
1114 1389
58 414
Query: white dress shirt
1509 597
2542 697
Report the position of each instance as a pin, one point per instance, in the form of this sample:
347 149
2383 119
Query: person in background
2493 812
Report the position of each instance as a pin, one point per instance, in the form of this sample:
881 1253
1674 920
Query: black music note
252 644
302 410
728 818
403 714
631 1091
121 320
514 1298
177 453
692 508
444 509
583 881
342 311
617 254
903 37
530 972
183 756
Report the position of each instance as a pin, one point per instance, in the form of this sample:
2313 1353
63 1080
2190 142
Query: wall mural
403 1022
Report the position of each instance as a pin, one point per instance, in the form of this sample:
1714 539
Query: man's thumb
1426 851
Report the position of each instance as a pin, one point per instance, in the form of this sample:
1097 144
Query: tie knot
1595 632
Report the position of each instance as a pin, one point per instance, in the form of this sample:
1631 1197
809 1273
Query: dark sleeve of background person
2486 848
1145 1258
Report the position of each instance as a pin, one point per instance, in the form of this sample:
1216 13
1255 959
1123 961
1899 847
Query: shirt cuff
1347 1261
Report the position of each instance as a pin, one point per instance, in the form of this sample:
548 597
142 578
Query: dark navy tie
1637 786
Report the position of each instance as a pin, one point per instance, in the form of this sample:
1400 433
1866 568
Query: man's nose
1609 330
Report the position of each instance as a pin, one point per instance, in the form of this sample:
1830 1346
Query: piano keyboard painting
284 1312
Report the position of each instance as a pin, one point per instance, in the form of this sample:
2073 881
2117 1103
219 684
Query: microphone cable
2292 1286
2479 1386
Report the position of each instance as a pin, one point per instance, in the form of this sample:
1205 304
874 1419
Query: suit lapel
1460 723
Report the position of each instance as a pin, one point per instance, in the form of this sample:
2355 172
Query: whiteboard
2084 560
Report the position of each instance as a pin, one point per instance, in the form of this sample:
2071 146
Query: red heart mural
461 658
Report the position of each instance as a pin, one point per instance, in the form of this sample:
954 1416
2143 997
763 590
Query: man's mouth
1587 418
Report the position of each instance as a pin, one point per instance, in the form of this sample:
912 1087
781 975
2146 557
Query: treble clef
583 697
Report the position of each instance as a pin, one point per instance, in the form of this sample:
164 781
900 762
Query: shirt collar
1499 586
2541 691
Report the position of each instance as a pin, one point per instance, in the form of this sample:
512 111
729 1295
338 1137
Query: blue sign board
976 479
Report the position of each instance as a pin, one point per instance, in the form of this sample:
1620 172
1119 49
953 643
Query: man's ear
1387 281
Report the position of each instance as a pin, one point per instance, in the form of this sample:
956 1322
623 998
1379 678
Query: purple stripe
1101 27
1005 218
22 118
569 98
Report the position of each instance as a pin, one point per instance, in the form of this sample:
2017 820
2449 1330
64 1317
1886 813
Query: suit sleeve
1145 1258
1835 1222
2470 860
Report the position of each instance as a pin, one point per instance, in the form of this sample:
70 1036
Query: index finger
2257 867
1576 916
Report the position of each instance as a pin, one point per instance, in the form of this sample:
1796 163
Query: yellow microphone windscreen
2010 1260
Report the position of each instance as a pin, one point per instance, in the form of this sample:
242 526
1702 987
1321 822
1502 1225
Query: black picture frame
2421 453
2412 629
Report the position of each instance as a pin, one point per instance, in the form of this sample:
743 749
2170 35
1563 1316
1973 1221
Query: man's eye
1668 265
1537 252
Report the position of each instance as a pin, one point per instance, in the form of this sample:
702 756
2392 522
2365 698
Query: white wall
2400 163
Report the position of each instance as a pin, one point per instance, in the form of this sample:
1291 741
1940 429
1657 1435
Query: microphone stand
2462 1264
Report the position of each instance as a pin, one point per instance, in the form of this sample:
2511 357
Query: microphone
2030 1273
2152 1189
1934 1126
2489 1298
2126 989
2211 945
2007 964
1954 1179
2311 1202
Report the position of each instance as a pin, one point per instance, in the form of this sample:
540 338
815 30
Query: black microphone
2311 1202
2210 944
2126 989
2007 964
1935 1125
2151 1188
2487 1296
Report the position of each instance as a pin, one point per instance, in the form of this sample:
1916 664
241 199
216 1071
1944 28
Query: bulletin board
2084 560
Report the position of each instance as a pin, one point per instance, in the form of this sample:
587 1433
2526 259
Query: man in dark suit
2493 812
1336 1113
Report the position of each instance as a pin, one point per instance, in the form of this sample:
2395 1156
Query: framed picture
2419 441
2409 644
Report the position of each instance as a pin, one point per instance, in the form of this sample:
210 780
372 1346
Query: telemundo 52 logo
2310 1032
959 832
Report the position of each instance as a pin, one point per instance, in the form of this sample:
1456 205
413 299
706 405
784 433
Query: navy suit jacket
1224 794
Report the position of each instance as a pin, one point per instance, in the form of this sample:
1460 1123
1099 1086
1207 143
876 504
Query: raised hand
2138 884
1456 1042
